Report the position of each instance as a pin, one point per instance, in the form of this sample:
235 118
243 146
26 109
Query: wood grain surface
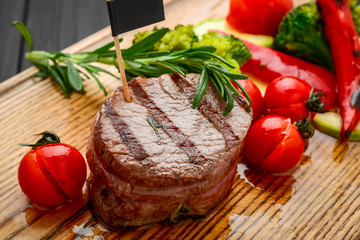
319 199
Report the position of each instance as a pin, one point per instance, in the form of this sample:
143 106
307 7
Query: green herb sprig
69 70
155 125
181 212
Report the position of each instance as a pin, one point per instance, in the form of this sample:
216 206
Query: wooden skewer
122 70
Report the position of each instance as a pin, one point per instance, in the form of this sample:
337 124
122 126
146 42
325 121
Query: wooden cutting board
318 199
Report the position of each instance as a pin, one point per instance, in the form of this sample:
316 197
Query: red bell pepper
345 49
267 64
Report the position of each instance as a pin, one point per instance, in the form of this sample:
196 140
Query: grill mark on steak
242 102
182 141
125 133
207 111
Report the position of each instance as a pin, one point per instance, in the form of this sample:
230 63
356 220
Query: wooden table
320 198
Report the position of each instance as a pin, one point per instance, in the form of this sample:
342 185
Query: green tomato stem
47 138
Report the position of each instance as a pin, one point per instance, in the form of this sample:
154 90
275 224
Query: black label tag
126 15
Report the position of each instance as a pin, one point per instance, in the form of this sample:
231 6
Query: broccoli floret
301 34
228 47
180 38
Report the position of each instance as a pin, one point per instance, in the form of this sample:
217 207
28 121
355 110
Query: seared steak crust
140 177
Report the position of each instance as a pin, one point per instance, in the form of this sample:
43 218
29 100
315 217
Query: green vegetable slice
220 24
330 123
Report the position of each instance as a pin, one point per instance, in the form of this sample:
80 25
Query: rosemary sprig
155 125
69 70
181 212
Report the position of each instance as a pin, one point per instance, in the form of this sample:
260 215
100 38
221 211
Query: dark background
54 24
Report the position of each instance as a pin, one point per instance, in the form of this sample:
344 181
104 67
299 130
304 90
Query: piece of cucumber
330 123
221 25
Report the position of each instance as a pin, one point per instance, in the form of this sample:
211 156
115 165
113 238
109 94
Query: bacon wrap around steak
140 176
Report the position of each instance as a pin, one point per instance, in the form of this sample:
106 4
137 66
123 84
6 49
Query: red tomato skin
283 91
66 166
265 132
254 93
281 144
286 96
258 16
295 112
35 184
287 154
51 174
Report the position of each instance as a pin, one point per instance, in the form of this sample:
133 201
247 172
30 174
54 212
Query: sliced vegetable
330 123
51 172
267 64
281 144
345 49
221 26
258 16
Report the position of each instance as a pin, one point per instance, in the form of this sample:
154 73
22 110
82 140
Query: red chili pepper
345 49
267 64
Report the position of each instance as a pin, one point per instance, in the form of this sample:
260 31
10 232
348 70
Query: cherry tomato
289 97
274 144
258 16
267 64
52 173
257 101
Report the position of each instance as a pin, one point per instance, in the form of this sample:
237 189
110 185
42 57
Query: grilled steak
142 172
